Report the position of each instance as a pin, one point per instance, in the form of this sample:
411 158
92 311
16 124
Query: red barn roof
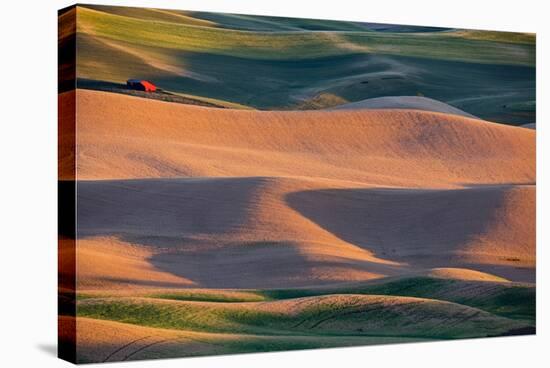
149 87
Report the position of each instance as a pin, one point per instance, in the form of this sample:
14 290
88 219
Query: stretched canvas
237 183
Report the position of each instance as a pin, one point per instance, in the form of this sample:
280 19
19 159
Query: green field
411 307
285 63
191 322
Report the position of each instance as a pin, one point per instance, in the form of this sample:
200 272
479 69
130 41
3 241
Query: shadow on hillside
426 228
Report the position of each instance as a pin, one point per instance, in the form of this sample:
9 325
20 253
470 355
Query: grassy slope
291 67
274 24
335 314
510 37
150 14
511 300
177 36
237 321
293 45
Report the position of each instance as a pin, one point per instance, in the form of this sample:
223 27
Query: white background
28 178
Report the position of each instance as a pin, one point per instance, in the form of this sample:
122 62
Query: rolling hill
404 102
210 231
296 61
187 182
122 137
176 323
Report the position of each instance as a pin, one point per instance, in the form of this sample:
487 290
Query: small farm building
141 85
